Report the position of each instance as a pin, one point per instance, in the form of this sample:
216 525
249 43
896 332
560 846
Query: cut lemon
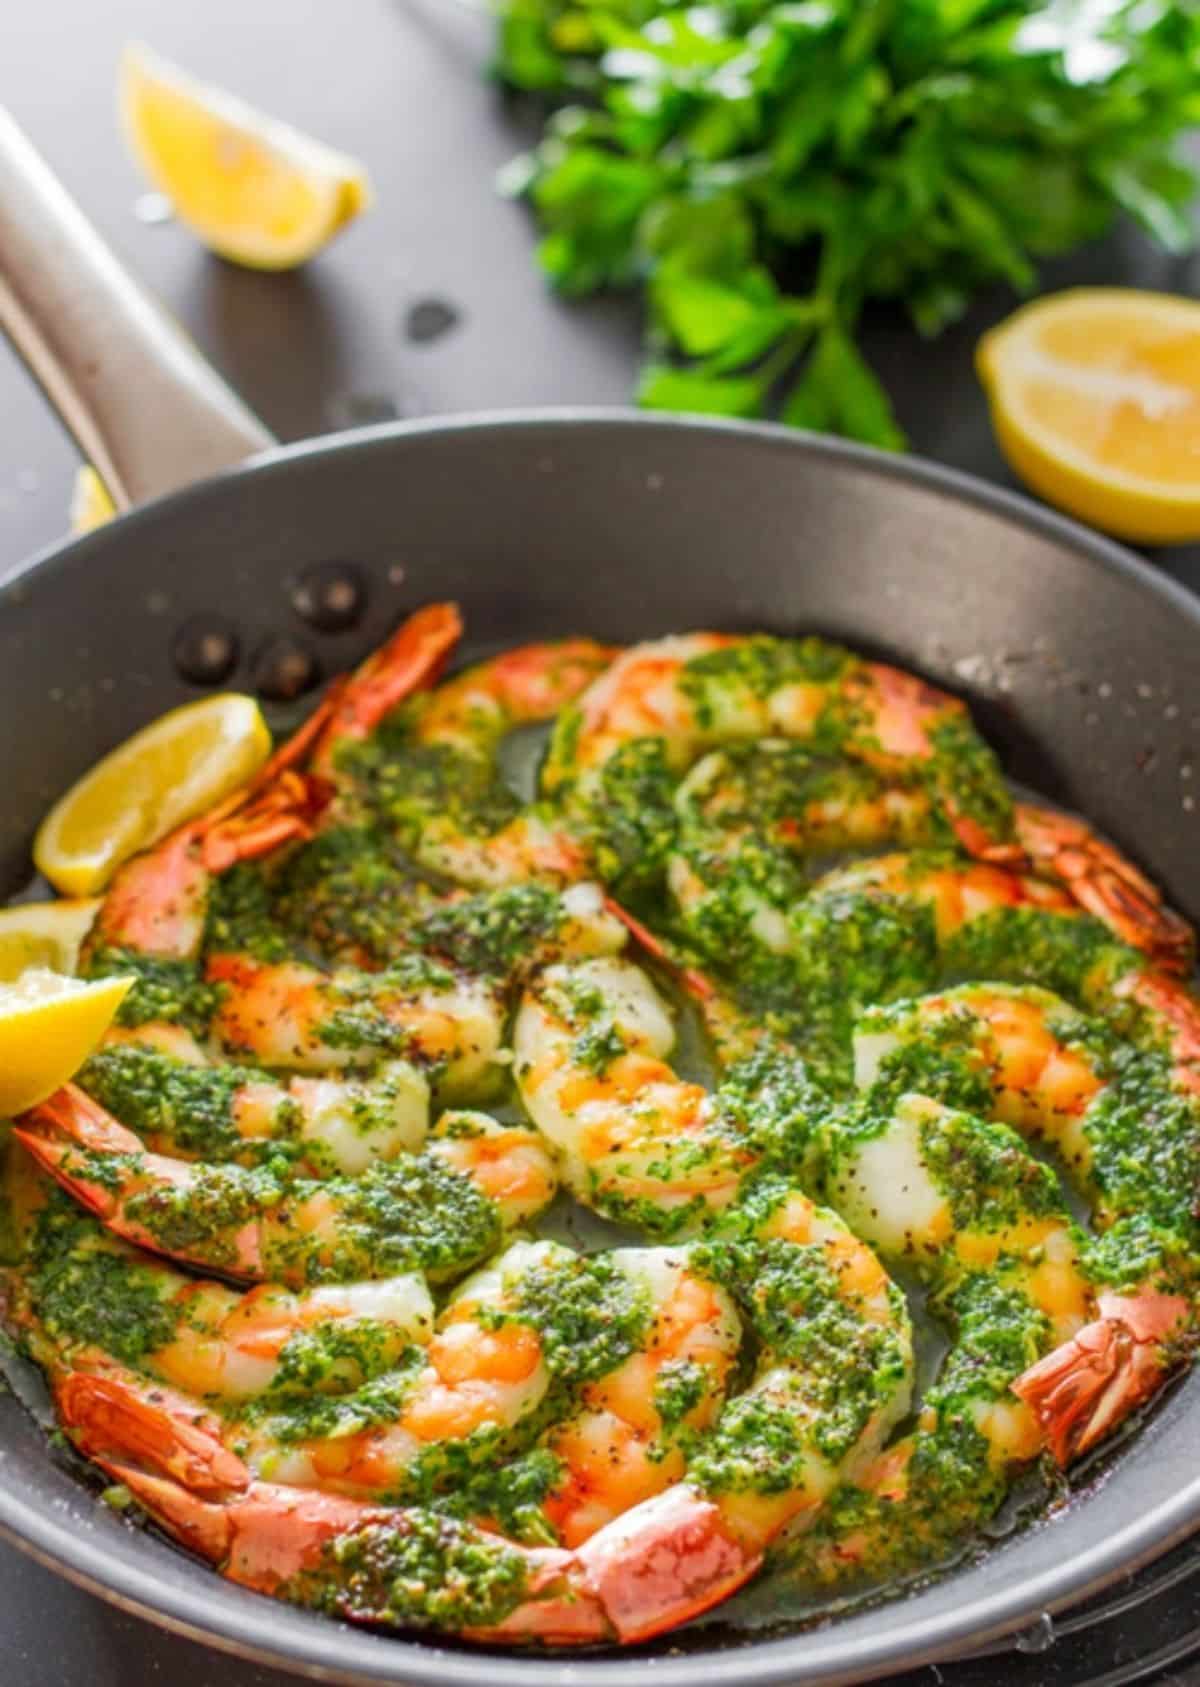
44 934
1095 399
185 762
254 190
91 505
48 1027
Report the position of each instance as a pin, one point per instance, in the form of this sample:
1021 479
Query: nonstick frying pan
1082 663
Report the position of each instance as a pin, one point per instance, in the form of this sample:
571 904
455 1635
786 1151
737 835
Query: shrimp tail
1083 1390
284 810
665 1561
693 981
100 1164
165 1451
1173 1008
734 1035
1105 884
413 657
110 1411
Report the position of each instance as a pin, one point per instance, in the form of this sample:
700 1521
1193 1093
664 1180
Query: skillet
1081 663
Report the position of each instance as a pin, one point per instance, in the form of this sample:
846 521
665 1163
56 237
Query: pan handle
143 404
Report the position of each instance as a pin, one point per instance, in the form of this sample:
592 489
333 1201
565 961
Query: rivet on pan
205 650
284 669
330 596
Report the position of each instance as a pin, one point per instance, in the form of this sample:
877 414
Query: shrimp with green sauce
619 753
285 1282
433 775
439 1211
1023 1291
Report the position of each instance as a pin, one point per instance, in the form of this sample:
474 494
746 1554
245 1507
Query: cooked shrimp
633 1405
1128 1129
507 1163
980 1221
899 924
445 1014
415 1212
622 1415
1126 1123
617 754
211 1112
833 1376
435 778
988 922
153 917
483 1374
634 1140
288 1014
91 1301
369 1562
156 903
661 705
637 1423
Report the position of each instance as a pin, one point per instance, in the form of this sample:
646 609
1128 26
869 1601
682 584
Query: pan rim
331 1651
971 489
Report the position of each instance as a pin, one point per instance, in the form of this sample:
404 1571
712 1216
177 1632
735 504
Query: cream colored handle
143 404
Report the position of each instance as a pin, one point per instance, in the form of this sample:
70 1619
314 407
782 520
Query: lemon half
48 1027
1095 401
179 766
254 190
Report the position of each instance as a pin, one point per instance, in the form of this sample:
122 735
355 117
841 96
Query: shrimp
196 1110
1052 1074
507 1163
446 1013
1106 885
979 920
435 780
92 1302
288 1014
481 1377
1126 1122
636 1424
174 1456
399 1567
623 1414
1034 1062
617 754
898 925
833 1377
419 1211
349 1389
156 903
980 1222
634 1140
749 819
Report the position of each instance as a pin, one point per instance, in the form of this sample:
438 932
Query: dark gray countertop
396 82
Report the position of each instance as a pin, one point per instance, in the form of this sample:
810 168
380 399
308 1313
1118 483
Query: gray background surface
398 83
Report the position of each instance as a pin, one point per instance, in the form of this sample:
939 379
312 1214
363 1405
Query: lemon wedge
179 766
1095 400
44 934
48 1027
256 191
91 505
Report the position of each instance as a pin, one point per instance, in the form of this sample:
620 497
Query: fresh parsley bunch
899 149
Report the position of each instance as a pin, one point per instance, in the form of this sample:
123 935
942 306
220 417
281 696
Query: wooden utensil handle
142 402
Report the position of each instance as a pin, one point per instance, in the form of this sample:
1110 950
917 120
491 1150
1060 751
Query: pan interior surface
1079 662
